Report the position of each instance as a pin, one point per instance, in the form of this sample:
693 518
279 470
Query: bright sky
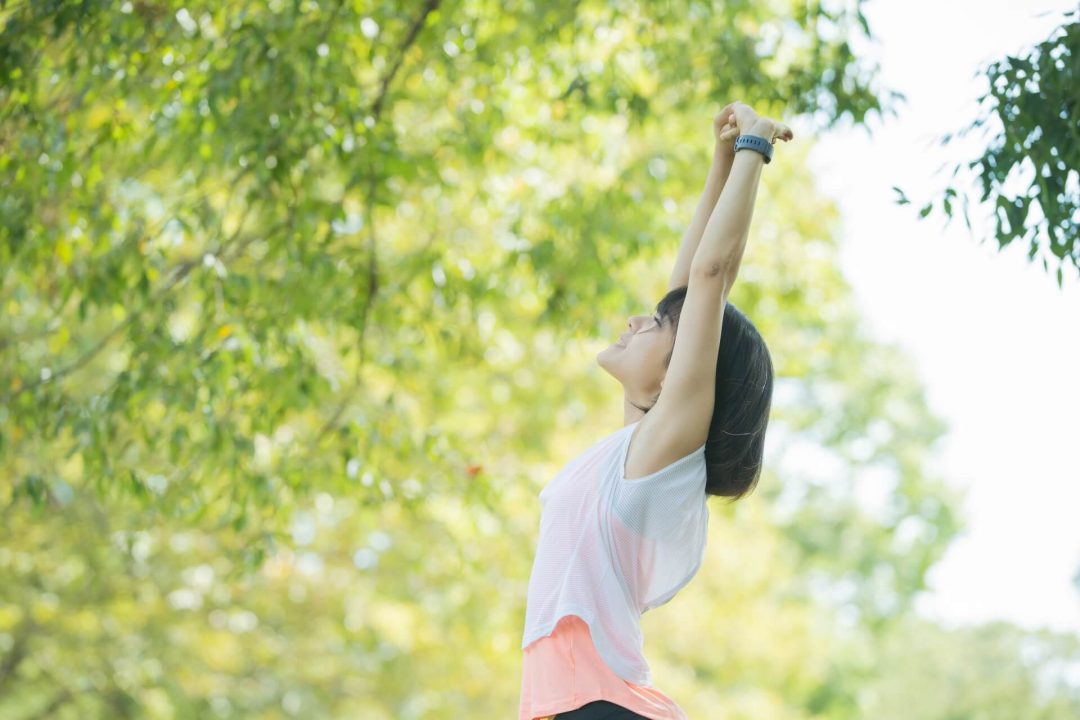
995 340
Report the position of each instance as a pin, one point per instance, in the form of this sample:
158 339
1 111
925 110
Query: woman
623 525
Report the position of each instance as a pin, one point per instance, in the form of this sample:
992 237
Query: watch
756 143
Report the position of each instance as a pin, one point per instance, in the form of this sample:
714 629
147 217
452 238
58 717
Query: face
637 359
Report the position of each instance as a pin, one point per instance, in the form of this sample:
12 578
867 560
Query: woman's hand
738 119
770 129
725 131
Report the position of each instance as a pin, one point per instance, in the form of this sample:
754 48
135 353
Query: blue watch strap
756 143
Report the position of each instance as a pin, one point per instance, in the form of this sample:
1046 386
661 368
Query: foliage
1029 171
292 298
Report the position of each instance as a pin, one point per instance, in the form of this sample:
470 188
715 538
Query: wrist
757 144
724 152
763 128
720 168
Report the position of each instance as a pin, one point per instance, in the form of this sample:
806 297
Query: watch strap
755 143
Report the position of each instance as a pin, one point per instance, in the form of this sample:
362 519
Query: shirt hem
641 678
574 702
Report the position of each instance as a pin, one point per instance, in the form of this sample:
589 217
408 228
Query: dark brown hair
744 382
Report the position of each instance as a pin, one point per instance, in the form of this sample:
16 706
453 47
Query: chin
603 359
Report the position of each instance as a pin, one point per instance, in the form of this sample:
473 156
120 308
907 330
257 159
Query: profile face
637 358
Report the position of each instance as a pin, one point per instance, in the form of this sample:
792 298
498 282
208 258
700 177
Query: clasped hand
738 118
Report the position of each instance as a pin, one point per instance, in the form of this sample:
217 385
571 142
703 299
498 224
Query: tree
1029 172
225 227
289 301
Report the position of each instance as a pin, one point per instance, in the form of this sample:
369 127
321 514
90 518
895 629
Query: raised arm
678 422
723 154
724 238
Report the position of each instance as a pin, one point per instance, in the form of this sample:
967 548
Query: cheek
646 352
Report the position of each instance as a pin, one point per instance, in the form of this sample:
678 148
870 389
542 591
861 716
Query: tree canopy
295 301
1028 173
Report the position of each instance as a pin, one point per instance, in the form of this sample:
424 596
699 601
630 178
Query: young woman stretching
623 525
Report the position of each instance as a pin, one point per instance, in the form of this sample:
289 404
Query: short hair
735 447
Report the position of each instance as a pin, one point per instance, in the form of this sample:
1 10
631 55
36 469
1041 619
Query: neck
632 412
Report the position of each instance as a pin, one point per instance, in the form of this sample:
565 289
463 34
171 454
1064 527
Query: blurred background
299 305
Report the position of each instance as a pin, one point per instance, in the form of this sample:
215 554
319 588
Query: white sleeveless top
611 549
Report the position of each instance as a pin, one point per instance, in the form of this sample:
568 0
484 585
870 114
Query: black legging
600 710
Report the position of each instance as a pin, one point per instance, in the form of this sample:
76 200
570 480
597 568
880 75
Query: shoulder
652 448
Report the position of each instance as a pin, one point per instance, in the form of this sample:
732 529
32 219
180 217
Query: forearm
714 184
725 234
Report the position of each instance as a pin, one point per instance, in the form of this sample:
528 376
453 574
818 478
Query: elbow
711 269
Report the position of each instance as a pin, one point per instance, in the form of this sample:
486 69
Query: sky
995 340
